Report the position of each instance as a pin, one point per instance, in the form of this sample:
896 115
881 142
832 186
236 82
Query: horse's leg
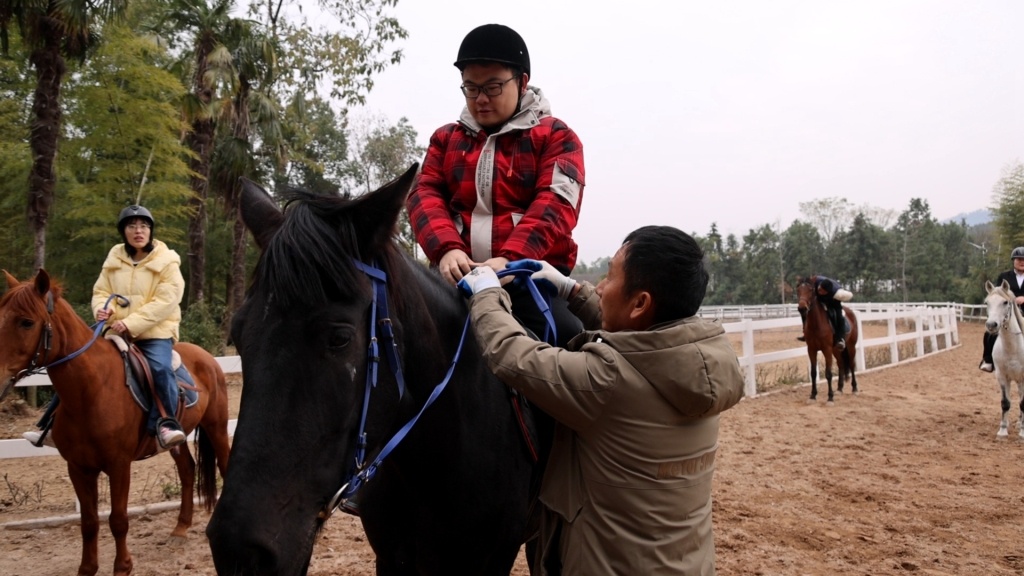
187 475
814 374
87 492
1020 420
120 484
828 375
1004 387
851 364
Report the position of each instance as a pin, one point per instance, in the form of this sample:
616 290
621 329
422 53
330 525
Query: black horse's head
303 335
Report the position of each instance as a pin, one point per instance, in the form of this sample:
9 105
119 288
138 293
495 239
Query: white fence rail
930 322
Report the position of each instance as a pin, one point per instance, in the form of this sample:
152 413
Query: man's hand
481 278
544 273
454 265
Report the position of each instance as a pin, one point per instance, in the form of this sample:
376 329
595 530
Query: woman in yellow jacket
148 274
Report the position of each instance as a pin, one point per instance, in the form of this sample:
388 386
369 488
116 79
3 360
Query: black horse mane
309 261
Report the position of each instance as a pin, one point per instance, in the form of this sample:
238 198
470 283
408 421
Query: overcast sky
734 112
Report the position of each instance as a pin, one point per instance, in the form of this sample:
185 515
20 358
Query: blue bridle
379 315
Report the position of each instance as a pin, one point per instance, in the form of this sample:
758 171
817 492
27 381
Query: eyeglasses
491 89
142 226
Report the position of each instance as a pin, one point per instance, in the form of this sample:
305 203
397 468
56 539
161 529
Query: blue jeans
158 352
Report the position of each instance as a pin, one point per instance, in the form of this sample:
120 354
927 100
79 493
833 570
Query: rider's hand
481 278
544 273
120 328
454 265
104 313
498 263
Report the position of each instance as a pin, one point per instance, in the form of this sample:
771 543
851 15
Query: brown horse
819 337
98 427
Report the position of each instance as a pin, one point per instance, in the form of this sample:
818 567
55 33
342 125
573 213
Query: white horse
1005 319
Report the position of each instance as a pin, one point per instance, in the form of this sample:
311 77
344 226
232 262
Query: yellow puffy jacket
153 286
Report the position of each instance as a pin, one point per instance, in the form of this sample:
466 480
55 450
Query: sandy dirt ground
906 477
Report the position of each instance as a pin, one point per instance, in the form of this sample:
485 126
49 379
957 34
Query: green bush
200 325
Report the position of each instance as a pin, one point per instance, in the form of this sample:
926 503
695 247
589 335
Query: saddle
139 379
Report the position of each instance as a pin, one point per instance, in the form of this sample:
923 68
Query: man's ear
524 79
642 311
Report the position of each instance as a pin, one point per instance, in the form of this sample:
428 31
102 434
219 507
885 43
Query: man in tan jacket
637 398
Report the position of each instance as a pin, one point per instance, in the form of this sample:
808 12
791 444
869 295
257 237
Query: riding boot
838 328
46 421
986 355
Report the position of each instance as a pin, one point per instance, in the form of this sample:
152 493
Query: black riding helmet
494 43
130 213
1018 252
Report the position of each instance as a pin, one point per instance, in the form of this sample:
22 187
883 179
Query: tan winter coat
629 478
154 286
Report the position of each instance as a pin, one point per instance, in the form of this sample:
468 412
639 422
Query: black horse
325 383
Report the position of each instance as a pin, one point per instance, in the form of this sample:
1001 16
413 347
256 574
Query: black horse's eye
26 323
340 336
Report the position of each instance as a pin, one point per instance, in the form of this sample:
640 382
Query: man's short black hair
669 264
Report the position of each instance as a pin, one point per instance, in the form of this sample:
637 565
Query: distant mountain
981 216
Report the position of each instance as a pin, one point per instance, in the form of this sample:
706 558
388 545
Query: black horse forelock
309 260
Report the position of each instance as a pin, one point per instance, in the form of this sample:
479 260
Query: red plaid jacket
515 194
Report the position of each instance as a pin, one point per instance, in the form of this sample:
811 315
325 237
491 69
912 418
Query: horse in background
819 338
98 427
345 341
1005 319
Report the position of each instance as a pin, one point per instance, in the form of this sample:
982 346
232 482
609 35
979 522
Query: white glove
546 273
478 279
843 295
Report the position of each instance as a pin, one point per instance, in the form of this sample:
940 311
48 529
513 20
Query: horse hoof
177 540
830 403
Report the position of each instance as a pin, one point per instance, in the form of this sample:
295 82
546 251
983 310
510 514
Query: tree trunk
201 143
236 288
46 116
237 263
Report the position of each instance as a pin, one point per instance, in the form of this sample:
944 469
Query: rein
379 314
38 363
1005 324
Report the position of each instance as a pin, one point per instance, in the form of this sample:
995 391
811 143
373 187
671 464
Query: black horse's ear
379 210
42 282
259 212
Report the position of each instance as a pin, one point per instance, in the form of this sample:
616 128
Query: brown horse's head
27 333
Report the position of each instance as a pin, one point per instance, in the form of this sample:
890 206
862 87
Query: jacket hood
533 107
690 362
159 257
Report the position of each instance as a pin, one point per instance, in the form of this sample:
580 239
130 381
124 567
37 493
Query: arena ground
906 477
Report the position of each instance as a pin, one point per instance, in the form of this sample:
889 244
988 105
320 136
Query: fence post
860 360
750 376
919 330
894 348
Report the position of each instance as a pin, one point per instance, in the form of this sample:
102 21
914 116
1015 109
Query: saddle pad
142 395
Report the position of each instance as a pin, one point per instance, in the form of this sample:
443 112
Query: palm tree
203 27
53 30
252 113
